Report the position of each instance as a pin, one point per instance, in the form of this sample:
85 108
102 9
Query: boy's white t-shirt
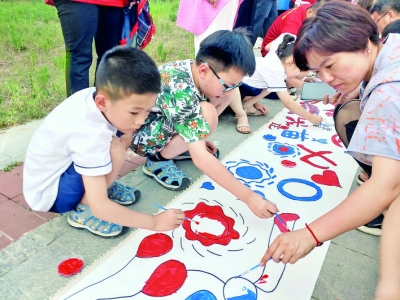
269 71
74 132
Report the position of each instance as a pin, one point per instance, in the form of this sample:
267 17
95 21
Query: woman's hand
289 247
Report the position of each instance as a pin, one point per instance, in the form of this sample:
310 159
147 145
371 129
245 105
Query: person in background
256 16
393 27
384 12
83 21
205 17
288 22
349 56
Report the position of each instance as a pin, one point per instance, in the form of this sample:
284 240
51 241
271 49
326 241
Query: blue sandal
123 194
83 218
167 174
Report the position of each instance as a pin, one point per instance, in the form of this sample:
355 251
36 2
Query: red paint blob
288 163
263 279
166 279
283 149
203 210
336 140
70 266
286 217
328 178
154 245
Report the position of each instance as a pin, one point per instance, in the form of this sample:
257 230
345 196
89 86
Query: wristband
315 238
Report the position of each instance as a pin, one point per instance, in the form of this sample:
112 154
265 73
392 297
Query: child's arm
107 210
295 108
214 169
364 204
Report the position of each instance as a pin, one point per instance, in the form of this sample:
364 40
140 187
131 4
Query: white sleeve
90 151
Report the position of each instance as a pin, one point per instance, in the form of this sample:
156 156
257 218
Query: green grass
11 166
32 56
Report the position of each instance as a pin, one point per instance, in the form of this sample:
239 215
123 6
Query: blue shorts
247 90
70 191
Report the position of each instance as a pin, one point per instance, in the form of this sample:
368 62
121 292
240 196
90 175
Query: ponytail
285 49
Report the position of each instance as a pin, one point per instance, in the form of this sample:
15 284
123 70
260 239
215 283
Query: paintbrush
186 218
283 223
279 218
249 270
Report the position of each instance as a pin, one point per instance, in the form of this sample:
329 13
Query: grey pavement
28 266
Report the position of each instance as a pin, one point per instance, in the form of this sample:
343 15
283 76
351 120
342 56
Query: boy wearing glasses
193 94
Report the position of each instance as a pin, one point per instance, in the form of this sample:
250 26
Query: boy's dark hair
338 26
124 71
383 6
393 27
285 49
225 49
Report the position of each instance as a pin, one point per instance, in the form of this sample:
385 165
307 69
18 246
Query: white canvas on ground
303 168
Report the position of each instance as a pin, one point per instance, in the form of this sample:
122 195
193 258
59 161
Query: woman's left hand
289 247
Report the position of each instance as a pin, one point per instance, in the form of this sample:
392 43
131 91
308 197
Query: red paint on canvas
288 164
154 245
263 279
286 217
166 279
328 178
70 266
216 213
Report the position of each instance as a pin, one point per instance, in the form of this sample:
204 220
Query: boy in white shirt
75 155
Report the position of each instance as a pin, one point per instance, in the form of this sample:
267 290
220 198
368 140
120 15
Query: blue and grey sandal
167 174
123 194
83 218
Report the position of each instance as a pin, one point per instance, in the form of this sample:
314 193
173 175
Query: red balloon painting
166 279
154 245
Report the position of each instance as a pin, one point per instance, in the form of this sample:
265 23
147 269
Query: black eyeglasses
227 87
381 17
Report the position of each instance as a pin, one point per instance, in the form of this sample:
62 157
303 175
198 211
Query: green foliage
32 55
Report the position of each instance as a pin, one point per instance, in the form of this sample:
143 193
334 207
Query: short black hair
383 6
226 49
393 27
124 71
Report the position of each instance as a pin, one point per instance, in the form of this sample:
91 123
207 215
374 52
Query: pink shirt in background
196 15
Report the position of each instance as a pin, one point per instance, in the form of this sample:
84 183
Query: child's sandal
83 218
123 194
166 173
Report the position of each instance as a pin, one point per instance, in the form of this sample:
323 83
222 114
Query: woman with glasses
370 128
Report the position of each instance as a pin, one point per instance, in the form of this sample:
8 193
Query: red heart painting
328 177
